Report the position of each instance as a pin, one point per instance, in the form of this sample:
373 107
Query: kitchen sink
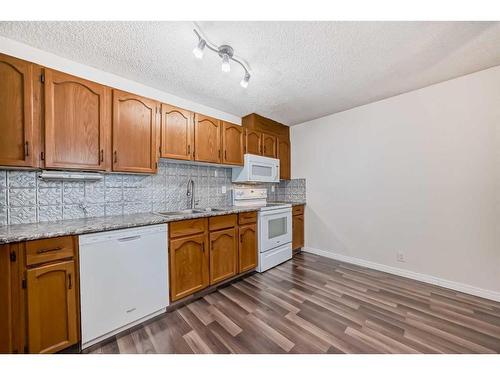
189 211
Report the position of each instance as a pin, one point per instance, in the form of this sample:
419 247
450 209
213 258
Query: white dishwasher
123 279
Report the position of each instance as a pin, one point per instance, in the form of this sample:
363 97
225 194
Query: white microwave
257 169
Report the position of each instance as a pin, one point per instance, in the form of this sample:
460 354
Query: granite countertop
26 232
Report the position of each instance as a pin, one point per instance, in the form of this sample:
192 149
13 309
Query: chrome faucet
190 192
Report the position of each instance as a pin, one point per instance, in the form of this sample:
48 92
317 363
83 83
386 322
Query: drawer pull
43 251
131 238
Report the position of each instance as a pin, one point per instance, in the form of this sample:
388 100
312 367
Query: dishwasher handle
130 238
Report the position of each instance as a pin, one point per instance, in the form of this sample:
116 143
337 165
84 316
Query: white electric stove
274 226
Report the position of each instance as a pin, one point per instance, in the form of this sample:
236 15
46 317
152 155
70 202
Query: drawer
49 249
298 210
222 222
187 227
247 217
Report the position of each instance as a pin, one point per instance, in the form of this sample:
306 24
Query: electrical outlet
400 257
215 173
272 188
223 189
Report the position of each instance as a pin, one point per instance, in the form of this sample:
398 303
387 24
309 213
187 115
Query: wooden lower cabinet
298 231
52 307
247 258
223 255
207 252
189 265
39 309
12 337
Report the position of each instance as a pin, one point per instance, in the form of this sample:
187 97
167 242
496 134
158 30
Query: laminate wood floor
313 304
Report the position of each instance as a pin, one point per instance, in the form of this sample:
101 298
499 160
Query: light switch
223 189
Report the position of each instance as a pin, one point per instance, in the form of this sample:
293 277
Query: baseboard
465 288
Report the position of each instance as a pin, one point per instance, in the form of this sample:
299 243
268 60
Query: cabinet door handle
203 246
225 154
115 156
26 149
189 149
70 286
219 153
102 156
43 251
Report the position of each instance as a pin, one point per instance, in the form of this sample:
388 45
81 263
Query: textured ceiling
301 70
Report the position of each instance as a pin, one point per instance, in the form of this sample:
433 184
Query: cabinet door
16 112
269 145
52 314
284 156
248 248
12 297
253 142
232 144
223 255
297 232
134 133
77 122
207 140
177 133
188 266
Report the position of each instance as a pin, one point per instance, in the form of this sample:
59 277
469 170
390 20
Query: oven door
275 228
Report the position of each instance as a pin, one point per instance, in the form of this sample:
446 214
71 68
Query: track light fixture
198 51
225 52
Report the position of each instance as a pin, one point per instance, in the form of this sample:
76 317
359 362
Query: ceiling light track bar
226 53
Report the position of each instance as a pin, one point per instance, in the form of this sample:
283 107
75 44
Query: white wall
26 52
417 173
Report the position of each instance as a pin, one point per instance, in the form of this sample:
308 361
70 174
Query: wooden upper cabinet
189 265
232 143
135 122
16 113
52 307
284 156
248 247
207 139
177 133
77 122
223 255
253 142
269 146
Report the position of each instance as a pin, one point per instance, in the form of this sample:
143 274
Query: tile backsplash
24 198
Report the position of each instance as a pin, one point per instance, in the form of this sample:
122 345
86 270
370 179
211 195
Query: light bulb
198 51
244 81
225 63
